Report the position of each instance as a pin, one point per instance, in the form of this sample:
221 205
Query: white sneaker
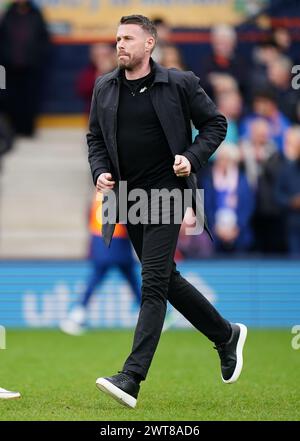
121 387
8 395
231 353
72 328
74 324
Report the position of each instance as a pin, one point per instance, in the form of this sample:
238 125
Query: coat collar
161 74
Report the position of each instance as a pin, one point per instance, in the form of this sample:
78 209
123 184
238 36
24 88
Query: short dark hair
267 92
142 21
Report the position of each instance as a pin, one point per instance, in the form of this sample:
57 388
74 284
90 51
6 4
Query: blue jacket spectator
229 202
288 192
265 106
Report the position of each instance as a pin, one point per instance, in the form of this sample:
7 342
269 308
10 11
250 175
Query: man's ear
149 44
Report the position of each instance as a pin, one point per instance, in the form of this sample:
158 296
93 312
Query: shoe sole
118 394
64 327
239 354
10 396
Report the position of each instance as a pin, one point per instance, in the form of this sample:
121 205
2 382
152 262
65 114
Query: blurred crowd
252 184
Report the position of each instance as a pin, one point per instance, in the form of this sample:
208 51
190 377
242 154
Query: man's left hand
182 166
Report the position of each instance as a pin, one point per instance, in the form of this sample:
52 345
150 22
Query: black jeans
155 246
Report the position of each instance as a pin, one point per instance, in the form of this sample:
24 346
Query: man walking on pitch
140 132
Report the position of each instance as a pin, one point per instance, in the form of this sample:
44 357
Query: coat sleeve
97 151
210 123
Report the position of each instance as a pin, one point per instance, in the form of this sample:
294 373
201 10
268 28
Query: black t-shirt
145 157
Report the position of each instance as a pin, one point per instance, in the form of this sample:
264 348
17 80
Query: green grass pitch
56 375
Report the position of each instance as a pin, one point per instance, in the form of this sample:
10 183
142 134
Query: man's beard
123 65
129 64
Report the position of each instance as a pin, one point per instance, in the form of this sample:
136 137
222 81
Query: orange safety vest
95 224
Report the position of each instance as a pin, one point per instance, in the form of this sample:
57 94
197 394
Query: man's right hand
105 182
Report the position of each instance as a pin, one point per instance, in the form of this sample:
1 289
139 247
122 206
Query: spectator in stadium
263 55
148 143
288 99
172 57
102 60
265 106
288 190
164 33
229 202
193 246
282 37
224 61
224 84
24 43
230 105
262 163
257 150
